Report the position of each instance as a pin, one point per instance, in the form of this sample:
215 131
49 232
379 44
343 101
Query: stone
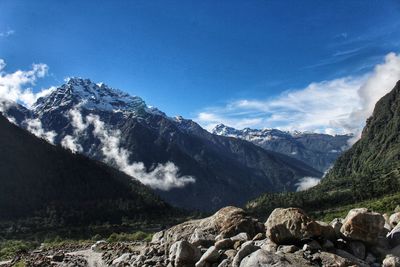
122 260
336 225
328 245
288 248
357 248
226 222
58 257
246 249
394 219
259 236
201 238
291 225
327 231
226 243
391 261
262 258
98 246
362 225
370 258
210 256
240 237
331 259
394 236
158 237
224 263
312 246
183 253
352 258
230 254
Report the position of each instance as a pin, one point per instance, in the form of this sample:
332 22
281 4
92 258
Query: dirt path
93 258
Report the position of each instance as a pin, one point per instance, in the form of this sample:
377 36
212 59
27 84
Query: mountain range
185 164
316 150
368 170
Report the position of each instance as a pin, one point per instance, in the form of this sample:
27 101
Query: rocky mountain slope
185 164
59 188
369 169
317 150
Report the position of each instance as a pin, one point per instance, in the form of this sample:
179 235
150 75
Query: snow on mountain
91 96
316 150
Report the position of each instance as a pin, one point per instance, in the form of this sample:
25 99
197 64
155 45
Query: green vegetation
9 248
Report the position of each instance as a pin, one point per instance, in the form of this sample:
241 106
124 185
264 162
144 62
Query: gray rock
394 219
246 249
122 260
224 263
201 238
262 258
210 256
312 246
352 258
287 226
288 248
259 236
336 225
357 248
183 253
240 237
391 261
226 243
394 236
328 245
363 225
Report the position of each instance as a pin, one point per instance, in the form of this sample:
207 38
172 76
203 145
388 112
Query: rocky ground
231 238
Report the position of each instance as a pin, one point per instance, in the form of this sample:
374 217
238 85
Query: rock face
285 226
363 225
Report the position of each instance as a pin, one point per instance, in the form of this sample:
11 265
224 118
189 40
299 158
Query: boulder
210 256
287 226
240 237
182 253
331 259
391 261
327 231
246 249
336 225
394 219
227 222
363 225
122 260
262 258
226 243
394 236
357 248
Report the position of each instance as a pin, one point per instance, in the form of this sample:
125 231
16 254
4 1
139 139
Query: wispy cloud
16 86
306 183
335 106
7 33
35 127
161 176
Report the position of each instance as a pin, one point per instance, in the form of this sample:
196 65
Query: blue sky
200 59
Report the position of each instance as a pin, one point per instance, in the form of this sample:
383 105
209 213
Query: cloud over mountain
335 106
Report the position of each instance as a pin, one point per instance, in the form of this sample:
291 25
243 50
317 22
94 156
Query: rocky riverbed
231 238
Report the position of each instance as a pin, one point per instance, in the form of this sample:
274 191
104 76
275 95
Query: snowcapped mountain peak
91 96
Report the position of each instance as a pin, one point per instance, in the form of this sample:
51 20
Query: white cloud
35 127
337 106
306 183
6 33
162 176
15 86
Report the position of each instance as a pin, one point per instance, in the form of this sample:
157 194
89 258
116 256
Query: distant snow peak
90 96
